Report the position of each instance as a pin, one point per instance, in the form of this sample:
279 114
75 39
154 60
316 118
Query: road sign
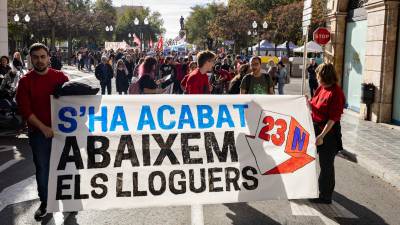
307 11
307 4
306 23
305 30
322 36
307 17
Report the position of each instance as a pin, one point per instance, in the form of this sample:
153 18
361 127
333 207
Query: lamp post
109 29
257 32
17 19
250 33
141 34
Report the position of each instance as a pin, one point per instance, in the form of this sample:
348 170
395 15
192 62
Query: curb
373 167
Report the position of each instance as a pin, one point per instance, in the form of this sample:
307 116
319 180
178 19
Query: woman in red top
327 107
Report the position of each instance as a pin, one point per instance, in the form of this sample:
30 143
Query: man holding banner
33 98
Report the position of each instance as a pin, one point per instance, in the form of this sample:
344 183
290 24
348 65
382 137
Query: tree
319 14
62 20
285 23
232 23
261 6
125 24
198 24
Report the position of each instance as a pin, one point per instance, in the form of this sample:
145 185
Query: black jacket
104 76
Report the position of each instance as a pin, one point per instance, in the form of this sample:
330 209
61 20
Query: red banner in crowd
136 40
160 44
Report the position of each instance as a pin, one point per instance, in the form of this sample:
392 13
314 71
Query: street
360 197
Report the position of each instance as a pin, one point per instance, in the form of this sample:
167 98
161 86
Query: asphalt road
360 197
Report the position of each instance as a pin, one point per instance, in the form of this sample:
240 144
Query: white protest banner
116 45
163 150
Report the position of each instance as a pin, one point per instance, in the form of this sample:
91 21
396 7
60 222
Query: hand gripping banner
148 150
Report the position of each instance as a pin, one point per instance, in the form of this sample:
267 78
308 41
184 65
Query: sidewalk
374 146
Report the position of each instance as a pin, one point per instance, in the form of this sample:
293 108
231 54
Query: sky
171 10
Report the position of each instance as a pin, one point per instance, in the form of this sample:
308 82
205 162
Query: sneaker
41 211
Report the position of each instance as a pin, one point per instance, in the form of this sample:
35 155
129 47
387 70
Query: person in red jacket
192 67
326 108
197 81
33 99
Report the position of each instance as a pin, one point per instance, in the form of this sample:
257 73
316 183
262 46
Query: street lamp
254 24
109 29
137 23
256 32
27 18
250 33
265 25
16 18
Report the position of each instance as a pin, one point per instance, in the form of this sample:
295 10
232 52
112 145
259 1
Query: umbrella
312 47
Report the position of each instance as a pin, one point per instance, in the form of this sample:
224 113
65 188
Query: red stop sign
322 36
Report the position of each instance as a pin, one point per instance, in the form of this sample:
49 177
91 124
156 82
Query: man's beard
40 70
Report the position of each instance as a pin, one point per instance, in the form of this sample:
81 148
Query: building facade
3 28
365 48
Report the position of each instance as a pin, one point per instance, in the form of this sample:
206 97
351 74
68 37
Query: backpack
134 87
71 88
249 80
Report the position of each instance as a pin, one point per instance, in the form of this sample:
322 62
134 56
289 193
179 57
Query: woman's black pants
327 152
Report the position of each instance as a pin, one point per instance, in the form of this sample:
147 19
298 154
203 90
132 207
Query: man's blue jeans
41 148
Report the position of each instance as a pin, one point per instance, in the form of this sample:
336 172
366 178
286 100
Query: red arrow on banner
296 140
296 147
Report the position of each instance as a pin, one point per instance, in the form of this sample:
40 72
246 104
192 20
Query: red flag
136 40
160 44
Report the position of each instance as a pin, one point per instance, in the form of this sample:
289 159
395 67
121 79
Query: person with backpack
104 74
282 77
234 85
256 82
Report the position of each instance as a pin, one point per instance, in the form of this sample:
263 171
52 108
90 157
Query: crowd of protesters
223 73
201 73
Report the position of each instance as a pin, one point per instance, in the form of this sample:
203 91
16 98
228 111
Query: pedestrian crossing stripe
326 212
